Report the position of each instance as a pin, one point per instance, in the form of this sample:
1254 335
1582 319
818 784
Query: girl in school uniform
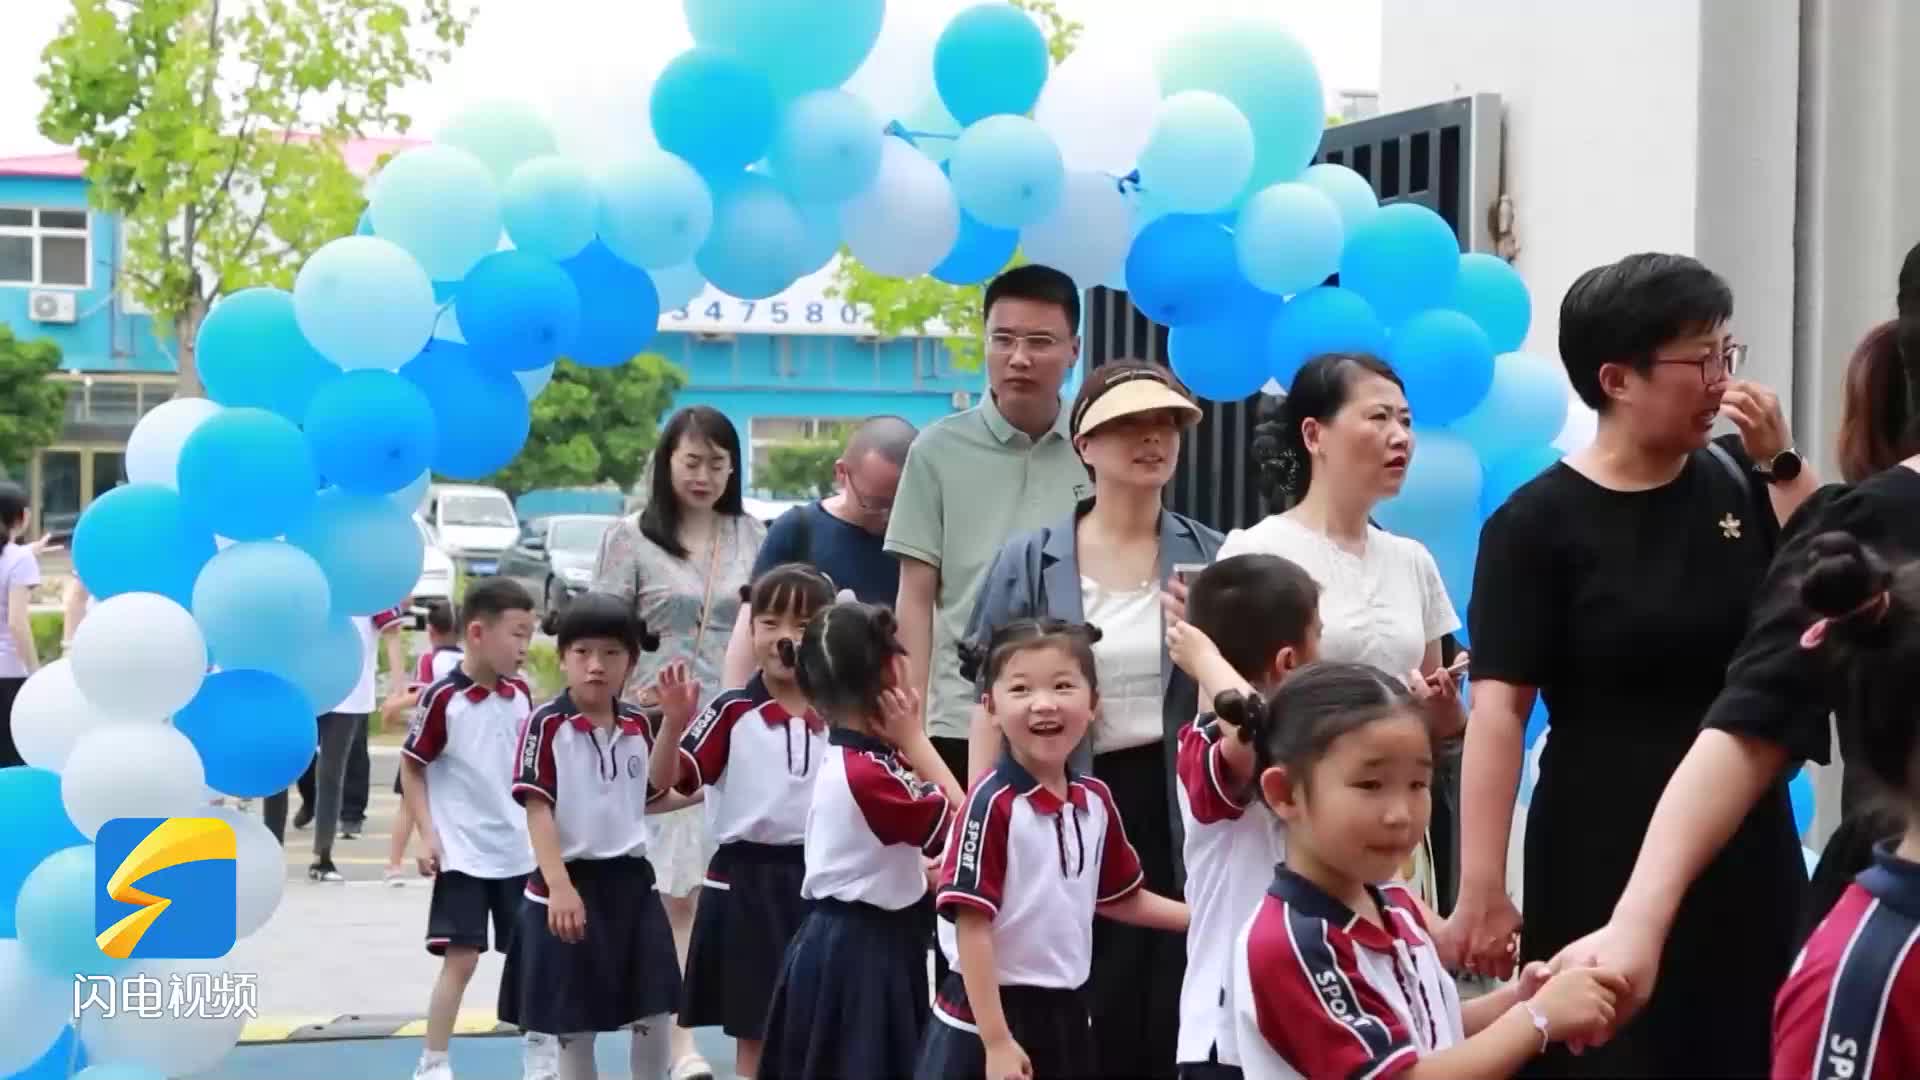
1037 850
1334 975
852 997
592 950
755 751
1851 1007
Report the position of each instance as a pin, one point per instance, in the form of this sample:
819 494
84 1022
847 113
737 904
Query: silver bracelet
1540 1024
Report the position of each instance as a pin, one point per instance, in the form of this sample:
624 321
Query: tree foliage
913 307
214 128
32 406
594 425
802 469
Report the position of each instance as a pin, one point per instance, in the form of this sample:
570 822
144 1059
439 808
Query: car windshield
578 534
476 510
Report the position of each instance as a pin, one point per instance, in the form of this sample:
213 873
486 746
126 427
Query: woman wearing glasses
682 561
1617 585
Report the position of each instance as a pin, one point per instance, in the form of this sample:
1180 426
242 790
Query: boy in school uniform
442 656
458 764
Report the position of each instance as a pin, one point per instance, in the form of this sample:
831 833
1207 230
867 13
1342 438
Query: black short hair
660 521
1620 313
1041 284
1298 723
439 616
1252 606
981 664
603 615
797 587
842 660
488 598
888 436
1320 389
13 507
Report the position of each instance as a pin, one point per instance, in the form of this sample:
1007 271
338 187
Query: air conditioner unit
50 306
962 401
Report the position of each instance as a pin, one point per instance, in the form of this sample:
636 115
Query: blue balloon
371 432
758 233
66 1054
1350 192
619 309
441 205
1403 260
1182 269
1527 406
259 603
365 226
802 45
1288 238
713 109
518 311
1321 320
1007 172
368 547
1199 153
1537 722
548 207
1491 293
329 666
255 732
828 147
53 914
980 252
990 59
363 302
655 211
480 413
822 221
1446 362
1800 793
1508 473
118 1070
1225 359
37 826
140 538
247 474
444 293
1441 495
1267 74
251 354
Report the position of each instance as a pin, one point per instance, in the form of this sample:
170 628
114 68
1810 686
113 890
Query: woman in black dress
1617 585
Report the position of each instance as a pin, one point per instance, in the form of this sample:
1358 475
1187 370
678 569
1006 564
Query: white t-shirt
1127 658
1380 607
362 698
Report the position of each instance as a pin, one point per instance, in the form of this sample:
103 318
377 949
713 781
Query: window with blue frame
43 247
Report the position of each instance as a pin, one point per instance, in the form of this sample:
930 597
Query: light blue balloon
679 285
255 732
140 538
1800 793
980 252
371 432
480 412
1182 269
1349 191
1199 154
1403 260
828 147
1526 406
65 1055
549 206
1326 319
411 497
1441 495
363 302
118 1070
802 45
1007 172
258 603
251 354
1288 237
1491 293
518 311
247 474
327 667
500 134
530 381
1225 359
1268 75
990 59
37 826
53 915
366 545
365 225
619 309
822 242
1810 857
1508 473
758 234
441 205
654 209
1446 362
713 109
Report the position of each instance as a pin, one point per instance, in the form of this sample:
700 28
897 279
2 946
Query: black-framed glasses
1716 366
1002 343
875 506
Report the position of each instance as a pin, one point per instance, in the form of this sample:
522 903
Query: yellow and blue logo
165 888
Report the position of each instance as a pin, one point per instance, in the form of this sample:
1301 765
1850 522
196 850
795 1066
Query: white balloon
446 326
1099 106
153 450
1087 236
531 382
260 869
131 770
907 221
50 714
139 654
898 73
37 1006
182 1045
677 285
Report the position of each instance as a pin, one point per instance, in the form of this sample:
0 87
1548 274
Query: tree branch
266 199
225 186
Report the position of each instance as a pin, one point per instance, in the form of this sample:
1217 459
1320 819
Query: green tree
799 470
214 130
32 406
594 425
903 307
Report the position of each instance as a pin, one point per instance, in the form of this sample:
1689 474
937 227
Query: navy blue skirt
624 971
852 998
1051 1025
749 910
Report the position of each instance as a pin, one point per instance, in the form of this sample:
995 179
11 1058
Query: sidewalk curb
310 1028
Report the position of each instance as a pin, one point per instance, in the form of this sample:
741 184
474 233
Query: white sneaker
433 1067
539 1057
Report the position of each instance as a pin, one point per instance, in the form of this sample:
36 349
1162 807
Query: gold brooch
1730 526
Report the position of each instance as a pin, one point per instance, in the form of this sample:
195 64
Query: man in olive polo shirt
977 478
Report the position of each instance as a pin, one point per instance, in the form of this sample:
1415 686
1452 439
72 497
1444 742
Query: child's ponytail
981 664
1867 629
1247 712
843 660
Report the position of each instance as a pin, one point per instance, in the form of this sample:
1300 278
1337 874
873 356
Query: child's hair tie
1873 610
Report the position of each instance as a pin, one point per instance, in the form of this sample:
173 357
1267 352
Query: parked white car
436 569
474 525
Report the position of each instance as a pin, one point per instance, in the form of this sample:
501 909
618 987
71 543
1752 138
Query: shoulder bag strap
706 602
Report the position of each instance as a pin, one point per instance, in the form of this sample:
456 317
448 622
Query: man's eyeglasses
1002 343
1716 366
872 506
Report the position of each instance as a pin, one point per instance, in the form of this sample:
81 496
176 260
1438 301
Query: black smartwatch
1783 468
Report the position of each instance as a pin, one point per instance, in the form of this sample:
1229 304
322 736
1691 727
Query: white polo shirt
871 822
604 775
1230 851
1037 865
759 761
466 735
